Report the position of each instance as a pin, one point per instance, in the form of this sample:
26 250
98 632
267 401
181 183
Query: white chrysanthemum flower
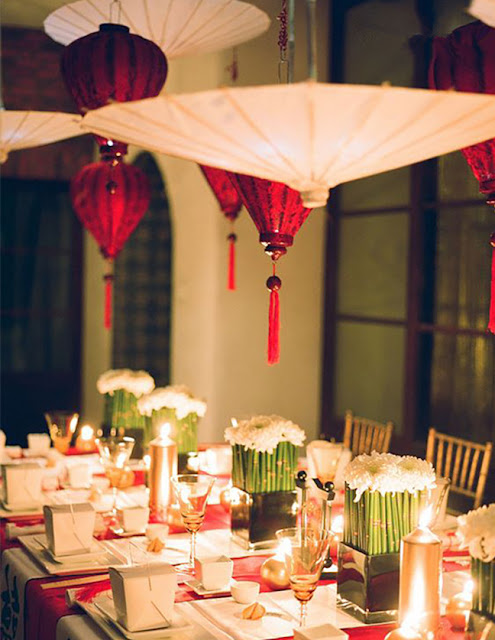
177 397
476 531
388 473
264 433
135 382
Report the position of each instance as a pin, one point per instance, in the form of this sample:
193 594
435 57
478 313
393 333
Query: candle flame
147 461
468 588
284 549
425 517
87 432
73 423
233 422
164 430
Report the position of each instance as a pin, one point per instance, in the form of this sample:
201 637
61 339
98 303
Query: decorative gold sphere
274 574
457 611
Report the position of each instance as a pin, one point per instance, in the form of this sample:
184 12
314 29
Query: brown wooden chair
364 436
466 463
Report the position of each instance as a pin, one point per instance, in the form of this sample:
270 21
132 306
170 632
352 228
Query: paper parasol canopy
23 129
484 10
310 136
178 27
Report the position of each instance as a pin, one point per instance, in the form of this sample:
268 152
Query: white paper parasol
484 10
23 129
311 136
178 27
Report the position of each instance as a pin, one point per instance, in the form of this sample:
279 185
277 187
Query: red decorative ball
274 283
112 65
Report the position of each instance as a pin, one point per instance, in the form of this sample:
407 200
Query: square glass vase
483 575
368 585
256 517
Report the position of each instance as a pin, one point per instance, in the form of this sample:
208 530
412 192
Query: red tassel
108 300
274 283
231 274
491 323
89 593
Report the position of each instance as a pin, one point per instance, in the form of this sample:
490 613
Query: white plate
96 550
198 588
104 603
35 545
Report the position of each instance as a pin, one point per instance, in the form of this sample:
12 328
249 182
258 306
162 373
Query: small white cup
133 518
244 591
38 443
80 475
213 573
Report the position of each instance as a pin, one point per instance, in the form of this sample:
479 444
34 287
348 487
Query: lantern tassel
274 283
231 272
108 278
491 323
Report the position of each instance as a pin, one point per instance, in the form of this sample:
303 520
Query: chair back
364 436
466 463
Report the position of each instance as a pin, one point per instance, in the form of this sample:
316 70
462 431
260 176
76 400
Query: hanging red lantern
110 197
112 65
230 203
278 213
465 61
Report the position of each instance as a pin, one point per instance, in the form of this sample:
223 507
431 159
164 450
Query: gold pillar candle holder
420 581
163 465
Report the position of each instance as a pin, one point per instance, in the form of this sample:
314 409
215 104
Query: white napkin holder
320 632
144 595
69 528
38 444
133 518
22 484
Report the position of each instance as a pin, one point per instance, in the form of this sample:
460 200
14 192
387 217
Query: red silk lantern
278 213
230 203
465 61
110 197
112 65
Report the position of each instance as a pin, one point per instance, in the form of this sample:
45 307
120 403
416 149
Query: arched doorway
143 286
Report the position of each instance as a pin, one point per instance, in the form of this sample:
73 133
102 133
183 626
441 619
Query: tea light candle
86 439
163 465
459 606
420 571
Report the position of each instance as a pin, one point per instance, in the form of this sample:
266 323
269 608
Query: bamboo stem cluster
483 575
121 410
262 472
376 523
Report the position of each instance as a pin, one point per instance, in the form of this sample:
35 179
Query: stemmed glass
115 453
192 492
61 425
305 552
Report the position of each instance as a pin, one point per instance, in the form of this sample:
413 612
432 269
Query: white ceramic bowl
244 591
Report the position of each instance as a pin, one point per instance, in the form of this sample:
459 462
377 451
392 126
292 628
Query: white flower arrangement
136 382
476 531
264 433
178 397
388 473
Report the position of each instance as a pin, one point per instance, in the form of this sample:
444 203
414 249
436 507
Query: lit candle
459 606
420 579
163 465
86 439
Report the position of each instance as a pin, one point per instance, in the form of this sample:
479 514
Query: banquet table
32 611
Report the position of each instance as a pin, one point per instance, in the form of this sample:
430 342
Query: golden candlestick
420 581
163 465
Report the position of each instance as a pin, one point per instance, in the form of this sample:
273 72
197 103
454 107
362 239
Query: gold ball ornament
274 574
225 498
457 611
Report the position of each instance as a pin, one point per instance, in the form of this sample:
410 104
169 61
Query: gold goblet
305 552
115 453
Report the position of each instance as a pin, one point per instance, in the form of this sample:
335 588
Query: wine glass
115 453
61 425
192 492
305 552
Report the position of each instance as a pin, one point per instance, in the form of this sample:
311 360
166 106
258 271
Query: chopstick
74 582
